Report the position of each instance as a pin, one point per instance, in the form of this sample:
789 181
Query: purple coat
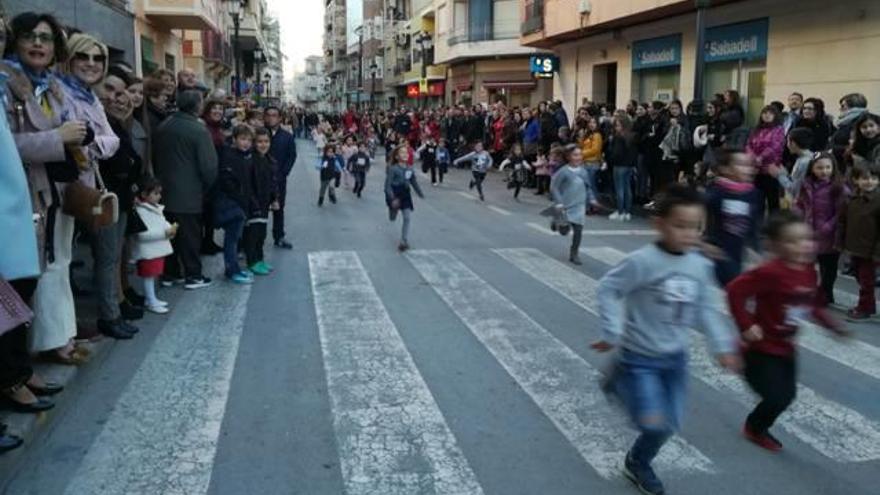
821 204
767 145
105 144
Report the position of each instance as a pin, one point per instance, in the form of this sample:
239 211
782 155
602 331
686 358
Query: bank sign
742 41
543 66
657 52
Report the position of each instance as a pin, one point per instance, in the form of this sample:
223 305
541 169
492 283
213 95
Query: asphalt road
461 367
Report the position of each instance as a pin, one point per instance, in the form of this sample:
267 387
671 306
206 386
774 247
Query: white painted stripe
832 429
638 232
500 211
161 436
541 228
855 354
392 437
561 383
466 195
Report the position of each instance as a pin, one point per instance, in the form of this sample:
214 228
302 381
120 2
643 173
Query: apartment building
613 51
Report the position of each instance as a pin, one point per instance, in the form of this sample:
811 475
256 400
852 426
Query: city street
460 367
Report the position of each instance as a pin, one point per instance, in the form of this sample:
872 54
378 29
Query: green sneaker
258 269
266 266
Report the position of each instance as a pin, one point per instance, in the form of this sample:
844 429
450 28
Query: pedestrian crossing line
541 228
500 211
854 354
834 430
392 437
561 383
599 232
466 195
162 434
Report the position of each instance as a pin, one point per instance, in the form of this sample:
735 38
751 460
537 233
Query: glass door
753 92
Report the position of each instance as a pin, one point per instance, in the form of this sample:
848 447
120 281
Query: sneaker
197 283
649 206
471 185
157 308
283 244
482 198
402 247
266 266
614 216
258 269
241 279
856 314
627 217
643 477
171 282
333 198
764 440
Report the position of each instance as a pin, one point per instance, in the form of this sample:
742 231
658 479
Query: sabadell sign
657 52
742 41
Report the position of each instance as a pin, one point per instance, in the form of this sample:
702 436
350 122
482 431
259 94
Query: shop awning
531 84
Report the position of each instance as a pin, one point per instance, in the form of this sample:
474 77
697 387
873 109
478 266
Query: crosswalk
392 433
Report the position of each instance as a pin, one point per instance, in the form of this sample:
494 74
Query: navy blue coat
283 150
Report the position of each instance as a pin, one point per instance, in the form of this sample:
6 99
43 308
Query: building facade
111 21
612 51
335 56
310 85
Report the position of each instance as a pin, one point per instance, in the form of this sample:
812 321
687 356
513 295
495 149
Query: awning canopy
530 84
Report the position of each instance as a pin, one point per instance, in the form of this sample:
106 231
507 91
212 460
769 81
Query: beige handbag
96 208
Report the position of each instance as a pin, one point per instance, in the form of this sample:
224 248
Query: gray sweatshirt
650 301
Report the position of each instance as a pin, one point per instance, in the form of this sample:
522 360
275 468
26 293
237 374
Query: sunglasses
85 57
33 36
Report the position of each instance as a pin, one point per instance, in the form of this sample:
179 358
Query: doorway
605 83
749 78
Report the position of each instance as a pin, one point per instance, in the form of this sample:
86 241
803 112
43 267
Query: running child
443 158
264 200
647 305
154 244
734 206
859 231
542 173
481 162
520 174
821 200
399 178
348 149
329 169
783 291
358 166
428 155
570 189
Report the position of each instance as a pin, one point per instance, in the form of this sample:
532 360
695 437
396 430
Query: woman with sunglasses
36 109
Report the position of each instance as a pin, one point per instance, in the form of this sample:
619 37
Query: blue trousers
653 389
232 232
623 188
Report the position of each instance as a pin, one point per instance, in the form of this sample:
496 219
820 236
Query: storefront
461 79
433 97
736 57
656 69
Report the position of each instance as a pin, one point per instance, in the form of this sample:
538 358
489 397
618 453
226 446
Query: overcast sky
302 30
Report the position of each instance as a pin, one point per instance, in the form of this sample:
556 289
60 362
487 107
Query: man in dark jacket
283 150
185 161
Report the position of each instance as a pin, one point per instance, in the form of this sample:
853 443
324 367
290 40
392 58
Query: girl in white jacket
154 244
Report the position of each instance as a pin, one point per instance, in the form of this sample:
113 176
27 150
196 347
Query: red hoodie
782 295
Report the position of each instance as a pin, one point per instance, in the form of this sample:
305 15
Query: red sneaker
764 440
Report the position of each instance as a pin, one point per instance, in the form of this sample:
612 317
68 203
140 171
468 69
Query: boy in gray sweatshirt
648 305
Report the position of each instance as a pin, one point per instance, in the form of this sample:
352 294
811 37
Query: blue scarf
40 82
78 89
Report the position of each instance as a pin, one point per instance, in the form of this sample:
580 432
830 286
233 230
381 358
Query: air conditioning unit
585 7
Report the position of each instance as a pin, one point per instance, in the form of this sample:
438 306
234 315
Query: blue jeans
232 232
623 188
592 173
653 389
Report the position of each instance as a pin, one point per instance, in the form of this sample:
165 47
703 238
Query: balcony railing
216 49
487 32
533 16
183 14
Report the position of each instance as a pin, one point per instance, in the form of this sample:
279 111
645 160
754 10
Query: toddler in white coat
153 244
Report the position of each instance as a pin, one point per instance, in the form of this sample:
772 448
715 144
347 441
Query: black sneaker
643 477
130 312
171 282
283 244
320 201
197 283
333 198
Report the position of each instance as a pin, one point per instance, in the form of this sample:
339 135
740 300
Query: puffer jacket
821 203
152 243
767 145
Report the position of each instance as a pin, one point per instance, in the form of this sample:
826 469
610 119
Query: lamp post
424 41
702 6
373 69
235 12
258 57
268 78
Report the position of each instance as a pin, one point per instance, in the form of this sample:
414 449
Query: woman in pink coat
766 143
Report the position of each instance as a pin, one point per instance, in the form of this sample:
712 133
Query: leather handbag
96 208
13 311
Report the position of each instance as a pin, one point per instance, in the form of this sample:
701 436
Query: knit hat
81 42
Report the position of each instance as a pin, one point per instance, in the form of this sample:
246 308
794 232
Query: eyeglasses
33 37
85 57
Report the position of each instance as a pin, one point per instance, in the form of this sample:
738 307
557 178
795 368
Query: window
148 63
170 62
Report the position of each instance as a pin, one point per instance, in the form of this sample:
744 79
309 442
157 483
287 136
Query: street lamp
268 78
258 57
235 12
425 43
702 6
373 69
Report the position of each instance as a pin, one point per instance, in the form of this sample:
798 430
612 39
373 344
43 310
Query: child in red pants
859 227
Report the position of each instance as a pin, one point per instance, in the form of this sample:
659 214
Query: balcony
183 14
489 32
533 17
215 49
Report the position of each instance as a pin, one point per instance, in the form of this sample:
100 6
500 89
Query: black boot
574 257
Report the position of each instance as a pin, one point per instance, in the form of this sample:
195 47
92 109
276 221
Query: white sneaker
627 217
614 216
157 308
159 302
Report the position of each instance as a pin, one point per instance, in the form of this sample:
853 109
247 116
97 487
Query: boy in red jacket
784 290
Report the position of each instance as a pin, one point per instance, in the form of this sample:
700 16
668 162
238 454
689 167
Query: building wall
114 26
818 49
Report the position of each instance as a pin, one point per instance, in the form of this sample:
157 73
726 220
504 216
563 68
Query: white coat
152 243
